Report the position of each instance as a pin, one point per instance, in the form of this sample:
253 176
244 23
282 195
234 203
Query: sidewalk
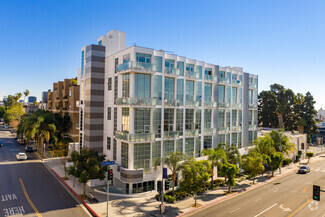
148 206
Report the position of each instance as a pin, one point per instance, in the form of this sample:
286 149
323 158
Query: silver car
304 169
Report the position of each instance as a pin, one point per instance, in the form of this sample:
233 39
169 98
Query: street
28 188
287 196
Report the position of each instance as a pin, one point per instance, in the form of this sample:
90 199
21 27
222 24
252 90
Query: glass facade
125 154
179 145
158 62
142 87
190 90
198 120
180 67
179 121
180 91
156 151
157 87
169 88
207 118
198 91
189 119
222 94
207 142
156 128
142 156
168 119
189 147
126 86
141 120
197 147
125 119
207 92
168 147
199 71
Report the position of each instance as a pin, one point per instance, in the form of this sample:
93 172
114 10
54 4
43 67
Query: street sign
108 163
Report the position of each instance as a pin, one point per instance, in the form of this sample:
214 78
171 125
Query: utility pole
162 207
107 191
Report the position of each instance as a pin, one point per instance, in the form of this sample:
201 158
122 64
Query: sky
281 41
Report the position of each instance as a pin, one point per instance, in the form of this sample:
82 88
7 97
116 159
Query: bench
92 198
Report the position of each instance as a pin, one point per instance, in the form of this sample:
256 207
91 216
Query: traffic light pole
107 191
162 210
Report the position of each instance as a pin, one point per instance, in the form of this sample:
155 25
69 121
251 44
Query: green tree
2 111
267 103
14 112
276 160
87 166
281 142
232 153
309 113
74 82
173 163
299 99
230 170
216 157
253 164
26 93
195 176
309 155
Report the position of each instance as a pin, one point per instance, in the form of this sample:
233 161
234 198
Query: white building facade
139 104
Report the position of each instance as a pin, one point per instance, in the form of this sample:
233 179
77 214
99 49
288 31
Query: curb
244 190
93 213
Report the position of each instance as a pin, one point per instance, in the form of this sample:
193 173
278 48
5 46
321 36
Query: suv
21 156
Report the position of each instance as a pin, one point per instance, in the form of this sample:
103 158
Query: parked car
21 156
0 143
304 169
29 149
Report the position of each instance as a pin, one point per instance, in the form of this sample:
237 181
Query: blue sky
281 41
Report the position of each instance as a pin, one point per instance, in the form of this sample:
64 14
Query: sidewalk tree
216 157
231 170
232 153
87 166
195 176
309 155
276 160
13 114
173 163
2 111
281 142
253 164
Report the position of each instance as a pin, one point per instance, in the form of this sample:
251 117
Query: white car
21 156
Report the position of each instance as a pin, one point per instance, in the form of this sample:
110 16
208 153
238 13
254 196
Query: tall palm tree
26 93
232 153
215 156
173 163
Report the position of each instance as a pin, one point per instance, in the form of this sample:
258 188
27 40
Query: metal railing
210 104
191 132
171 134
137 101
136 66
223 129
139 137
211 78
224 80
223 105
210 131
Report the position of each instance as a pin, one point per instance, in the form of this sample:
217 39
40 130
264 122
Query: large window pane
126 86
169 88
157 87
198 91
189 146
125 154
125 120
142 87
180 91
142 156
190 90
168 147
180 67
158 62
168 119
141 120
189 119
207 92
143 58
156 122
179 121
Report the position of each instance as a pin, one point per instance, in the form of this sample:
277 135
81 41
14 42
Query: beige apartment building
64 99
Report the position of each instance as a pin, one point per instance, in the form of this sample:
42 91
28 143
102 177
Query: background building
64 99
139 104
32 99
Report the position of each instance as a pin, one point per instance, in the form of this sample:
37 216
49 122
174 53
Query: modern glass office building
140 104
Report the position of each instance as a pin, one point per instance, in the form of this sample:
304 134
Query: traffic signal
299 153
166 185
165 173
316 192
110 174
159 186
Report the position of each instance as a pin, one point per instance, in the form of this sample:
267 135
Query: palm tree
215 156
232 153
280 111
26 93
173 163
281 142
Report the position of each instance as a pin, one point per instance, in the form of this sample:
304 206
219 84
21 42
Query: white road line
235 210
317 169
266 209
258 199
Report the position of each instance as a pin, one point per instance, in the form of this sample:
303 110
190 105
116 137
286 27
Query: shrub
309 154
286 161
167 198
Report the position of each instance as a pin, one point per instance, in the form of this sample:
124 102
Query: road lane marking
299 208
266 209
285 209
29 200
317 169
258 199
18 210
6 197
235 210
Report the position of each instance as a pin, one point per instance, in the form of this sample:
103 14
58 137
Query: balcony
137 67
223 105
224 80
172 71
237 82
236 128
252 127
192 103
210 131
223 130
171 134
210 104
252 85
252 106
191 132
172 102
236 105
194 75
137 101
211 78
139 137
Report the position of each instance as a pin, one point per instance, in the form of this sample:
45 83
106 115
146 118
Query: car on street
0 143
21 156
303 170
29 149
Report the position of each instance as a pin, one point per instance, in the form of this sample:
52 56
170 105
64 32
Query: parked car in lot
304 169
21 156
29 149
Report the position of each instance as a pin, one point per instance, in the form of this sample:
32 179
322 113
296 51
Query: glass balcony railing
210 104
224 80
138 137
192 103
192 74
211 78
137 101
236 82
171 134
223 129
172 71
236 105
136 66
172 102
253 85
236 128
252 127
191 132
223 105
252 106
210 131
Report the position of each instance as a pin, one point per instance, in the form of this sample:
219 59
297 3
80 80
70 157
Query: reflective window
221 94
199 70
207 143
198 91
207 118
143 58
197 146
189 119
221 118
126 58
169 88
180 67
125 119
156 151
142 87
198 120
168 147
126 86
169 63
125 154
158 62
142 155
179 145
168 119
190 90
208 92
180 91
156 122
189 147
234 94
141 120
157 87
179 121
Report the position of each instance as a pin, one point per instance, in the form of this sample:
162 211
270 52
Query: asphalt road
28 188
287 196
